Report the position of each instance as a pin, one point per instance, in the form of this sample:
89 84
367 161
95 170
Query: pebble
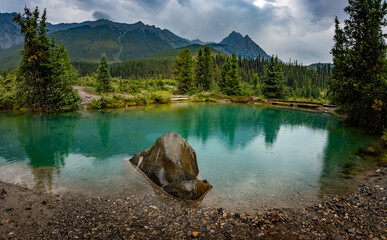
7 210
358 215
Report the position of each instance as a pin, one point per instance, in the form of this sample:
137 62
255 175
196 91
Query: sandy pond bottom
255 157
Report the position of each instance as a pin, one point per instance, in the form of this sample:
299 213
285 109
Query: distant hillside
118 43
172 54
314 65
166 35
64 26
10 57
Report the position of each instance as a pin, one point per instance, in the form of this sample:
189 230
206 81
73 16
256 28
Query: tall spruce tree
199 67
103 76
274 80
339 52
256 85
225 68
208 68
44 77
232 82
184 72
359 83
64 76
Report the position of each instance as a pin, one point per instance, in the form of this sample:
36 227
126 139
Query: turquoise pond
255 157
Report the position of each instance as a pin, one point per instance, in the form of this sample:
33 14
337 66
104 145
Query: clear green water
254 156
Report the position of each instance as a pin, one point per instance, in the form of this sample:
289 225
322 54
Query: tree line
299 80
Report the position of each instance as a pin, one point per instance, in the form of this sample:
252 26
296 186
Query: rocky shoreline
29 214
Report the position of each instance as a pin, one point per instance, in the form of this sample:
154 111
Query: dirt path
86 96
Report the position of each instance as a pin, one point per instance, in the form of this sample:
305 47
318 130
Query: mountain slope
9 31
10 57
314 65
242 46
233 38
64 26
166 35
119 42
172 54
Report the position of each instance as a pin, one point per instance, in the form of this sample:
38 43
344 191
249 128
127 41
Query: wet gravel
29 214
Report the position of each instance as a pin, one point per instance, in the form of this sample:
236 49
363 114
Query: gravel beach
30 214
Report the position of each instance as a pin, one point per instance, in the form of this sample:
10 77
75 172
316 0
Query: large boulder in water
171 164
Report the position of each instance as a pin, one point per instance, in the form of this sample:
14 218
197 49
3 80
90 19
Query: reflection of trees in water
241 124
228 123
8 132
273 120
340 155
104 119
43 177
271 123
204 125
46 140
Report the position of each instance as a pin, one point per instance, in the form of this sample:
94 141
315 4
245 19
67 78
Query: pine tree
256 85
308 88
199 67
339 52
5 74
274 80
232 83
208 68
359 75
184 72
103 76
225 68
63 97
42 72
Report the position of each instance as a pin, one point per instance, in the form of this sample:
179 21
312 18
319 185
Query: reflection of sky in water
252 155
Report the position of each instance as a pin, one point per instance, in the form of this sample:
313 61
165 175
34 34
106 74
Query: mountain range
86 41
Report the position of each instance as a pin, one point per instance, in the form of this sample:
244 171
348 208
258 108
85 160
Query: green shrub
7 101
86 81
384 137
114 101
130 87
118 101
383 161
161 99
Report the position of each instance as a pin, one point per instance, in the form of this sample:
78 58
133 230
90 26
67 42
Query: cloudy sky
293 29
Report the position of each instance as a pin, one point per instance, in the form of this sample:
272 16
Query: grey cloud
184 2
151 4
305 22
100 15
326 8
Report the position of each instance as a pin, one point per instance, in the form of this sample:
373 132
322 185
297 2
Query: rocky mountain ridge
86 41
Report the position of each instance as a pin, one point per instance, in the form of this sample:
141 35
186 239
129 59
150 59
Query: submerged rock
192 189
171 164
368 151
